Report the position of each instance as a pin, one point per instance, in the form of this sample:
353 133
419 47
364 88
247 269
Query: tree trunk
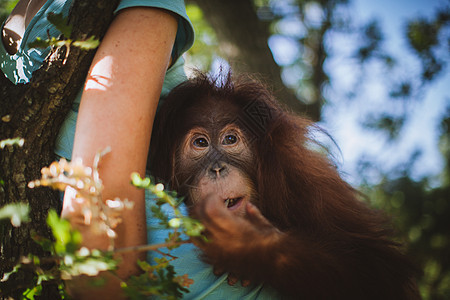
35 112
243 40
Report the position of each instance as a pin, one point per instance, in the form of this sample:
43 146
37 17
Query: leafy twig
153 247
60 22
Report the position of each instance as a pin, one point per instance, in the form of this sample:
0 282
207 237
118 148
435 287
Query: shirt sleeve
185 33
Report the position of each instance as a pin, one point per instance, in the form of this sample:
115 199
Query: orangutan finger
232 279
255 215
245 282
218 271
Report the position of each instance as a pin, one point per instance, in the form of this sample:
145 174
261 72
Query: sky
342 118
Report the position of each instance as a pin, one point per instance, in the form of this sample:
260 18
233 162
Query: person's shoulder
185 33
173 5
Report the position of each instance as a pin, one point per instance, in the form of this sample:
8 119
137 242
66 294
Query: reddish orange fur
334 246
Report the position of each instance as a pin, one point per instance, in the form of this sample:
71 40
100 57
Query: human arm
117 110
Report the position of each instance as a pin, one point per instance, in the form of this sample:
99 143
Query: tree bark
243 40
35 112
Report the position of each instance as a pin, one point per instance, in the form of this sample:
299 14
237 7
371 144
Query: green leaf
59 43
139 182
175 222
193 227
91 267
159 214
162 262
16 212
175 237
60 23
66 238
12 142
158 280
45 243
145 266
14 270
90 43
31 292
39 43
44 277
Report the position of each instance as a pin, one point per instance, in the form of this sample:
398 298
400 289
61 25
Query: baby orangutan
275 210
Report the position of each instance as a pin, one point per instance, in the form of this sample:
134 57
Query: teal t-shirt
206 285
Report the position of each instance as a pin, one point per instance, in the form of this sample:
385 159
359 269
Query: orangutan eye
201 142
229 139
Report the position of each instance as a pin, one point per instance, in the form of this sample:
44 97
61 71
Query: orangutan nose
217 170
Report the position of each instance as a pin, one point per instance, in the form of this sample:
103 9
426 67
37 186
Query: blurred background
375 76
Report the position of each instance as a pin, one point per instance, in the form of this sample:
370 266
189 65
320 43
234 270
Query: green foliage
422 35
158 280
206 45
403 90
11 142
372 41
66 240
68 259
421 216
421 211
90 43
61 23
392 125
40 43
6 6
188 226
428 40
425 37
17 213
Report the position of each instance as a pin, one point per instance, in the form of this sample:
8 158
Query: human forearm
117 110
